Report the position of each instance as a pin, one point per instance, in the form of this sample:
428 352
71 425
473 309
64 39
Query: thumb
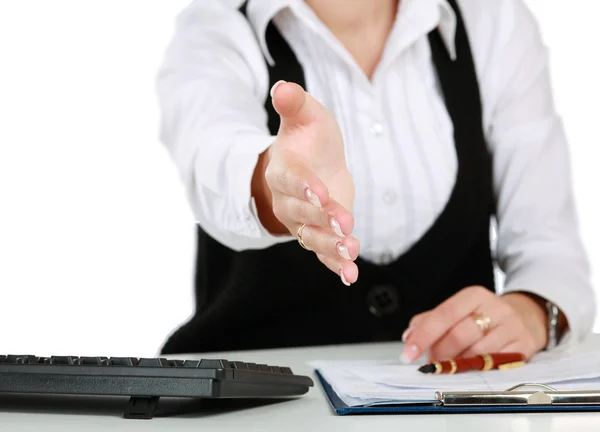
294 105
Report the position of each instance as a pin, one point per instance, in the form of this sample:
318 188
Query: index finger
440 320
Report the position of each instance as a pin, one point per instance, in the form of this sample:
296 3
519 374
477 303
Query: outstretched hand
309 182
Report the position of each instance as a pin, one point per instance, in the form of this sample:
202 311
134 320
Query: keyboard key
19 358
153 362
212 364
93 361
123 361
264 368
239 365
252 366
149 362
175 363
191 363
287 371
276 369
61 360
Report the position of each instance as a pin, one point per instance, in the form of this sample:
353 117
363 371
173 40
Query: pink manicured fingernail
410 354
272 92
335 226
343 251
313 198
343 278
406 334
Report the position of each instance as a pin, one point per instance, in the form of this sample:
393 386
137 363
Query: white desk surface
310 412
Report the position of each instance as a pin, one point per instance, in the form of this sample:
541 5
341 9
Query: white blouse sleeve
538 243
211 89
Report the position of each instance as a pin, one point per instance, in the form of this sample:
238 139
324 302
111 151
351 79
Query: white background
96 237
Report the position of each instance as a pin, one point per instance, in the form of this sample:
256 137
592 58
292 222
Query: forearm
560 280
221 161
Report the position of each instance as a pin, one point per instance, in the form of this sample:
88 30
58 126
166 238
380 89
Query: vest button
383 300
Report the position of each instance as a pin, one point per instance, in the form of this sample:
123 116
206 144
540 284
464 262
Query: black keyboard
145 380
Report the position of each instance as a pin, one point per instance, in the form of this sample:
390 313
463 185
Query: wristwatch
553 315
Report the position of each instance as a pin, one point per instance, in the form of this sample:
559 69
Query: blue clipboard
579 402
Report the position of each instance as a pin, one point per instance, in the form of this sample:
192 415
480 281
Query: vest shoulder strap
286 67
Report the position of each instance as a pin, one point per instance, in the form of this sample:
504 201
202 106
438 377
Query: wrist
543 315
532 310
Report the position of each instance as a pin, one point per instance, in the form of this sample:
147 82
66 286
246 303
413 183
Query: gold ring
483 322
299 236
453 367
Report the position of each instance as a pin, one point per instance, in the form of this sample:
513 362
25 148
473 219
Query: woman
359 210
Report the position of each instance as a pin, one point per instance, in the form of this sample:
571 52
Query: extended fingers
347 270
324 241
300 197
335 252
293 212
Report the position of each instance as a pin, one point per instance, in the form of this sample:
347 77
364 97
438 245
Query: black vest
283 296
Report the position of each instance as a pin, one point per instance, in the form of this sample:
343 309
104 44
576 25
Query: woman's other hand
516 323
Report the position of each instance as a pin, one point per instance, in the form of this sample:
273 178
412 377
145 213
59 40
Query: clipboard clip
517 395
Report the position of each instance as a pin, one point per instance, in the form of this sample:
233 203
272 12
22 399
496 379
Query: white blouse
397 133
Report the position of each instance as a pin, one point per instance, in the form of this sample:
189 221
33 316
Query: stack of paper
363 383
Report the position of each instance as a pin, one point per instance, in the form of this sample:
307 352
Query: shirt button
377 129
389 197
386 258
